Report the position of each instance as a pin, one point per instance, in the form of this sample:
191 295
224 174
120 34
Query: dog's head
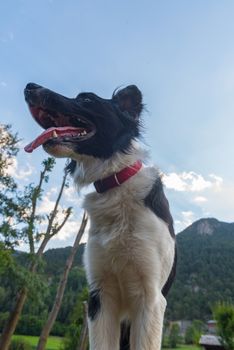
87 124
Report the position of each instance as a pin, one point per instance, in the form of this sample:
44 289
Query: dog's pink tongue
52 133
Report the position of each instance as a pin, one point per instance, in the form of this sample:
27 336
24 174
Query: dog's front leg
147 324
104 328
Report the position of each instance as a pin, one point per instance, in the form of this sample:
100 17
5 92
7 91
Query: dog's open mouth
60 129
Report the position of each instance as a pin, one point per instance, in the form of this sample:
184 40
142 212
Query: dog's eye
87 100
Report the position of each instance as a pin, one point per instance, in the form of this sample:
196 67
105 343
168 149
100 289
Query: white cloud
217 180
200 199
70 230
184 219
220 204
71 227
187 217
20 172
70 195
46 205
191 182
199 196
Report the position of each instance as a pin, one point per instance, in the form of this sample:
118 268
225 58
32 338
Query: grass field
186 347
53 343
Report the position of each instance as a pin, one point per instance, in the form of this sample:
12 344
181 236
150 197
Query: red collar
118 178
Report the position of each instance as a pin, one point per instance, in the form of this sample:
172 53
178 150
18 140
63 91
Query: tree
8 206
61 288
193 332
224 315
21 221
75 335
174 337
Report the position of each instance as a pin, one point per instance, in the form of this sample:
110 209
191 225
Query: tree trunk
61 288
13 320
83 342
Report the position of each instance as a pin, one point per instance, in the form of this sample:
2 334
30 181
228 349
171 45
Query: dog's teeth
54 134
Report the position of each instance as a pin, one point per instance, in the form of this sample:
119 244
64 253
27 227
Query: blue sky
179 53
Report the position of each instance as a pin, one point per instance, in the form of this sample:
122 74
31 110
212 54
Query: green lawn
186 347
53 343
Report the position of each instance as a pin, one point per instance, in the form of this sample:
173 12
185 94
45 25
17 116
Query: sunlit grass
185 347
53 343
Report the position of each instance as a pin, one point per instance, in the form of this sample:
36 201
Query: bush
29 325
224 315
194 332
3 318
174 336
58 329
20 344
73 332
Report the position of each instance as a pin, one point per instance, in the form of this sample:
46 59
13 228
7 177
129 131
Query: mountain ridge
207 226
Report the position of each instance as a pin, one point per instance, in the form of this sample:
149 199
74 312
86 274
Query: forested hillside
205 272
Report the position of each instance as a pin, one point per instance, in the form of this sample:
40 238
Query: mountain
56 258
205 270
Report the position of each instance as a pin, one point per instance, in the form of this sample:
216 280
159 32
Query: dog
130 256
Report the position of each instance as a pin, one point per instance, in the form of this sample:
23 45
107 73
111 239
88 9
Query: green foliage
224 315
8 150
16 276
56 258
193 332
42 289
73 331
29 324
6 260
3 317
20 344
59 329
174 337
8 204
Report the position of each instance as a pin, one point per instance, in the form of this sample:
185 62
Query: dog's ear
129 100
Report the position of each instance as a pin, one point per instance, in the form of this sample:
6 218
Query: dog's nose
30 92
32 86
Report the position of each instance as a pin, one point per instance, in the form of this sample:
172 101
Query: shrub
174 336
30 325
3 318
20 344
194 332
58 329
224 315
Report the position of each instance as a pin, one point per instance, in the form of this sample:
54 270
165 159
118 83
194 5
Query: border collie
130 256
